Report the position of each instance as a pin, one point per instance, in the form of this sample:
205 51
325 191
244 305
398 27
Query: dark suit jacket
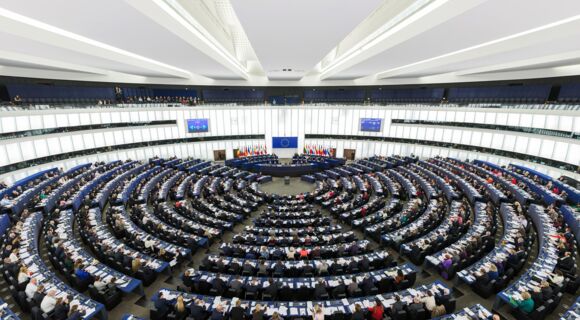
198 312
358 315
397 306
216 315
547 293
161 305
414 307
251 288
61 311
237 313
77 315
319 290
219 284
37 298
272 290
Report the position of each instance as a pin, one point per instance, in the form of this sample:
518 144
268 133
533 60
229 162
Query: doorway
349 154
219 155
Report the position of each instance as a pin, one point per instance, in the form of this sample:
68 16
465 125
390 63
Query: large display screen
197 125
284 142
371 124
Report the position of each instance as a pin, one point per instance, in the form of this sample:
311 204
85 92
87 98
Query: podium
286 180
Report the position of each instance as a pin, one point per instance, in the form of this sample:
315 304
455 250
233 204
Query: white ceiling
297 34
324 42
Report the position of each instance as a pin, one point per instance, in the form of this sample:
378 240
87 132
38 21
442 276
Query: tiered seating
447 232
573 312
469 247
166 298
69 256
539 271
495 270
22 192
6 312
28 260
506 181
293 256
475 312
293 268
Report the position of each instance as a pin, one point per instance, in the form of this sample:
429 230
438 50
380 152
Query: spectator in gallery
17 100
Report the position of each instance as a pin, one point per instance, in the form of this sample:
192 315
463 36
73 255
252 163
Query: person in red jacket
377 310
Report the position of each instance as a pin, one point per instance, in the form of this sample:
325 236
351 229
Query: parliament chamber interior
289 160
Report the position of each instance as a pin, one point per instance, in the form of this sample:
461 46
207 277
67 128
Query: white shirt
22 277
13 257
149 243
429 302
100 285
30 290
47 304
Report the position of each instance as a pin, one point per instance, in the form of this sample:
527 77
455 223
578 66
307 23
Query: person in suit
219 284
272 289
262 268
358 313
38 295
397 306
566 262
537 296
367 285
258 313
308 269
253 287
547 291
482 277
414 307
237 285
320 290
238 312
74 313
197 310
279 267
352 287
61 309
248 268
217 313
364 264
444 297
340 289
161 304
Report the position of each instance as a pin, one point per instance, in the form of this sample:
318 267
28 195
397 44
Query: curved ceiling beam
29 28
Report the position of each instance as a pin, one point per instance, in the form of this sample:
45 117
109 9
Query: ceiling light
411 14
67 34
175 10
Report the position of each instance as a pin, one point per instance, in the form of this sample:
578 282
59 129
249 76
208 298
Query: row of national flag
317 150
255 150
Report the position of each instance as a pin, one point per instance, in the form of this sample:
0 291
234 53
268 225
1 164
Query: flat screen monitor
197 125
371 124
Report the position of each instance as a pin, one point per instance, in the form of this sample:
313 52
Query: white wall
289 121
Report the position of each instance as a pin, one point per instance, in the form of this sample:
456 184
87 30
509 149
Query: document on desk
283 310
